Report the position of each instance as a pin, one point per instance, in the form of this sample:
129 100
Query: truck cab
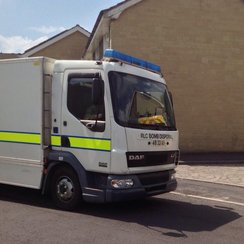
113 131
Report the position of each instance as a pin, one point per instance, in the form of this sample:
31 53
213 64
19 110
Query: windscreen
139 102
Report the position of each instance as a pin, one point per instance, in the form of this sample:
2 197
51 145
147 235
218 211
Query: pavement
227 168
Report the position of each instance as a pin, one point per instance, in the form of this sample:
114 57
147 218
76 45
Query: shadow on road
169 217
175 215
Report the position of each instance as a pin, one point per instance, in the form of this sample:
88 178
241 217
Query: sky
26 23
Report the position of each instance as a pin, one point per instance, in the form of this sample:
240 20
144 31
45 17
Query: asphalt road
196 213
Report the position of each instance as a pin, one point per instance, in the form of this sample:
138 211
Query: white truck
100 131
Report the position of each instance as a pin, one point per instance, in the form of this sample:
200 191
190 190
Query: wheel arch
58 159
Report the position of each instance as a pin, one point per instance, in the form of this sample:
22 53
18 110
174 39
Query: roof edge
54 39
113 13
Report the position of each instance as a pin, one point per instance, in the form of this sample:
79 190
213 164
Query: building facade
200 47
8 55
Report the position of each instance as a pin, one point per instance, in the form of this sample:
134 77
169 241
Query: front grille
152 179
143 159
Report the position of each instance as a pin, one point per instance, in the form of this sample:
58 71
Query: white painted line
208 198
209 162
211 181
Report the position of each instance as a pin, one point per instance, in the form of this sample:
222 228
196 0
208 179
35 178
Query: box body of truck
25 120
98 130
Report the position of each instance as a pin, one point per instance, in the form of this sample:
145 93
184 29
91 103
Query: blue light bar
110 53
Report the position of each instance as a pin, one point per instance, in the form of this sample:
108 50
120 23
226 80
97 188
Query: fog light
172 176
122 184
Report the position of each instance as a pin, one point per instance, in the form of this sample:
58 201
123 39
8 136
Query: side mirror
97 91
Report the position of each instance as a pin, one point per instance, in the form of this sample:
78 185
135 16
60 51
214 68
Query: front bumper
113 195
145 185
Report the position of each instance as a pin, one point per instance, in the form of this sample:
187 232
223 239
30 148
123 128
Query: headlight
122 183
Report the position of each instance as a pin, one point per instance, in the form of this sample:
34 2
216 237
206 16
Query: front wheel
65 188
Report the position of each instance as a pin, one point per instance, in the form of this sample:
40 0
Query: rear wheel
65 188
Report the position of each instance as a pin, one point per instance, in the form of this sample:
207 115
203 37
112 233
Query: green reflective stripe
84 143
19 137
90 143
56 141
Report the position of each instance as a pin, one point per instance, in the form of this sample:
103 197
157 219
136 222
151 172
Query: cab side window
79 101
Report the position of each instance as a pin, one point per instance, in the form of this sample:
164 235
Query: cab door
85 126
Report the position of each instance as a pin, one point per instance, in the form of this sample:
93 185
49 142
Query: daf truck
98 131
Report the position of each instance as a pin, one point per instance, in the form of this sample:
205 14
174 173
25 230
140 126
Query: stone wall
200 46
70 47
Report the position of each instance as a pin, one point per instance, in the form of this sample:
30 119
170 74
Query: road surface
197 212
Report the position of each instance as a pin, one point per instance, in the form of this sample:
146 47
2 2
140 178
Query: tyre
65 188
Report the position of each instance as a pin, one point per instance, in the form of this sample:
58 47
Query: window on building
100 49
